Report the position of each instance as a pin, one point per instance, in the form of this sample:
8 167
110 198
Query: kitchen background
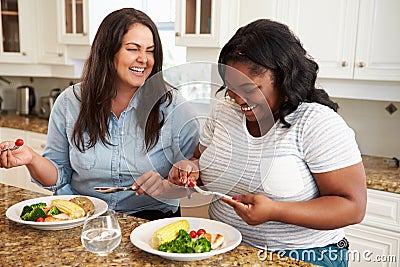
363 101
356 43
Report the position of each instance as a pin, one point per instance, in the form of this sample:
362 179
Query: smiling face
135 59
256 94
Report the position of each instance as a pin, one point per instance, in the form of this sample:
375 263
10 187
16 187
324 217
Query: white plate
13 213
141 237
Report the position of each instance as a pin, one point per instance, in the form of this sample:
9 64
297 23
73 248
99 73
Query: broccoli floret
39 205
201 245
26 210
53 211
184 236
34 214
184 244
174 246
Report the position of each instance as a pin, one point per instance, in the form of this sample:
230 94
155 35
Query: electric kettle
25 100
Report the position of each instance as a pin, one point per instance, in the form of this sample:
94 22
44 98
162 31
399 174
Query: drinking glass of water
101 234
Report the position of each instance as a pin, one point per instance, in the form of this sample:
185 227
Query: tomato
201 231
192 183
193 234
40 219
19 142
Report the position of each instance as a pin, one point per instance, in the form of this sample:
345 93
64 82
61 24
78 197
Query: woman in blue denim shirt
113 128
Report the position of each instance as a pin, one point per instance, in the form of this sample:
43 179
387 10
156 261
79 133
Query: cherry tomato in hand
193 234
201 231
19 142
40 219
192 183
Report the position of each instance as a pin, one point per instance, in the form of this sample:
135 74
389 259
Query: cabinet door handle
60 54
361 64
42 145
24 53
177 34
344 63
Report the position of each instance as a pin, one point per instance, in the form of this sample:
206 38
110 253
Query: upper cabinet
50 51
78 20
16 23
350 39
205 23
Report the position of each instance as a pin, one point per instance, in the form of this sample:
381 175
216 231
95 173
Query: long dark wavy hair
269 45
98 86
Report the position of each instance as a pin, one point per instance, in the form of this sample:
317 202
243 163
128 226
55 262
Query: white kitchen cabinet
205 23
19 176
50 51
17 22
376 240
372 247
350 39
78 20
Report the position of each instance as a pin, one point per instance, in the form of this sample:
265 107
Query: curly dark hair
268 45
98 86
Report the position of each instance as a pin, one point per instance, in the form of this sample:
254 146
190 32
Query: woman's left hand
253 209
150 183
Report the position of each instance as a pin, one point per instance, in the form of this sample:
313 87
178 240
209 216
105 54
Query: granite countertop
379 175
10 119
24 246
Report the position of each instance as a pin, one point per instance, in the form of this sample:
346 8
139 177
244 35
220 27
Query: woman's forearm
322 213
42 170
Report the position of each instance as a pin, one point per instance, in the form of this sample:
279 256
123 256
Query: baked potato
86 204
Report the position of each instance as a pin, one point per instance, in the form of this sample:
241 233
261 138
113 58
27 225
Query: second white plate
141 237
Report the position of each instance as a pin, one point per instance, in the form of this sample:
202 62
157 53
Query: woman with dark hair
122 123
279 147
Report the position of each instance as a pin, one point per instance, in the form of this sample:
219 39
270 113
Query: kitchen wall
42 87
377 131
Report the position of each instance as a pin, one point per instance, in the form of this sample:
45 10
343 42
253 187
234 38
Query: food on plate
33 212
58 210
200 232
85 203
73 210
185 244
176 238
169 232
215 240
57 218
193 234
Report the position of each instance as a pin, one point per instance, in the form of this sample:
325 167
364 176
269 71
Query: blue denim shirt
123 162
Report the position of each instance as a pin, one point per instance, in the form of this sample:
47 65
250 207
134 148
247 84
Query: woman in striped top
278 146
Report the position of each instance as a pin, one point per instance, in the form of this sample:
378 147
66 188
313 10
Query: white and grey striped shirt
278 165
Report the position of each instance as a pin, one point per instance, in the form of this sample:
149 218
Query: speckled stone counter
379 175
24 246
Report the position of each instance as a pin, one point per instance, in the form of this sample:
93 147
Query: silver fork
106 189
207 193
11 149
